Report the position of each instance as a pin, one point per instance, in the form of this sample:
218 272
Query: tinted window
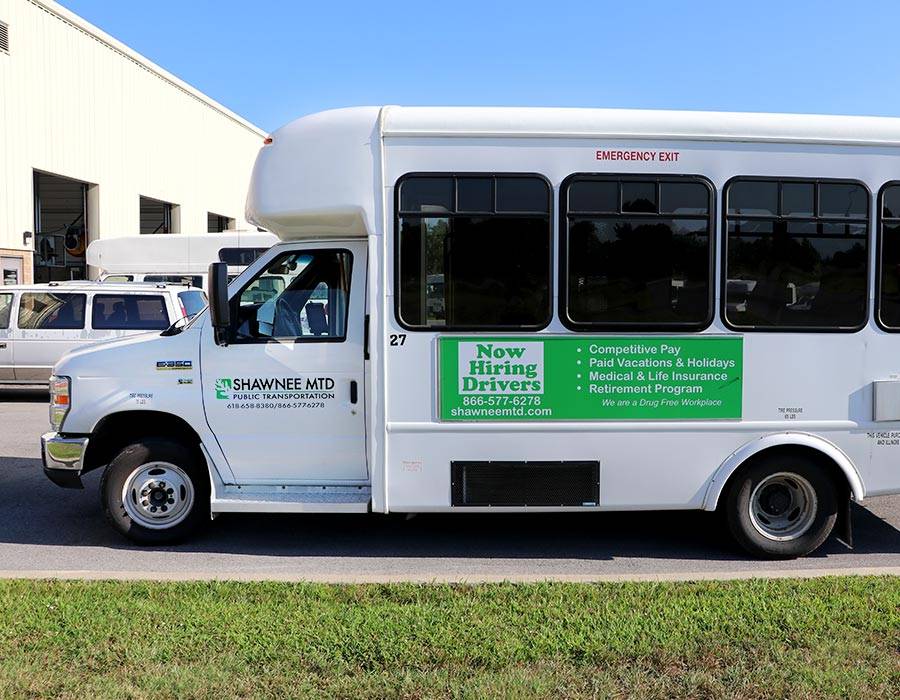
890 202
193 302
118 278
475 194
427 194
522 194
309 301
485 270
191 280
6 301
843 201
239 256
889 259
51 311
683 198
145 312
791 268
637 267
639 197
798 199
591 196
753 198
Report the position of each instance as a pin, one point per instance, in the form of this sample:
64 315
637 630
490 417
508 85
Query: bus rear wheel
782 506
154 492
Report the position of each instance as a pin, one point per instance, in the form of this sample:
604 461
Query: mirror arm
220 335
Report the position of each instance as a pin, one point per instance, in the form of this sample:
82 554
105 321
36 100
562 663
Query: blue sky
272 61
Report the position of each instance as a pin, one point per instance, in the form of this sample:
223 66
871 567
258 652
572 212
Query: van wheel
781 507
154 492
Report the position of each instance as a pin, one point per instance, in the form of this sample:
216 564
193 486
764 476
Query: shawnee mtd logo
267 387
501 367
223 389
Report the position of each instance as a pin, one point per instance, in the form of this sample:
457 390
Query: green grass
829 637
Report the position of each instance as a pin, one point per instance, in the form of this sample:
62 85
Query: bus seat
315 314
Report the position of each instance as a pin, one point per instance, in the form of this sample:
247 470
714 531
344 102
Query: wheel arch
804 442
116 430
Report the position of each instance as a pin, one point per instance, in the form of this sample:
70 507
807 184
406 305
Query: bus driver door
284 396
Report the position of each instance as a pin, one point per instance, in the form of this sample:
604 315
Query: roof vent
4 37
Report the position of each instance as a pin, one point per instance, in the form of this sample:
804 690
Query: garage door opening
60 228
216 223
158 216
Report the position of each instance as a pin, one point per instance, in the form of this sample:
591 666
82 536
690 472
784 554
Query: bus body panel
809 382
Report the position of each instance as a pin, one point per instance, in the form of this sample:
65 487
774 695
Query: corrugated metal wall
85 107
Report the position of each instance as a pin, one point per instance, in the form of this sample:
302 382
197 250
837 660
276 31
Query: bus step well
292 499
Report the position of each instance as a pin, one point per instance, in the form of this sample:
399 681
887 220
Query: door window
300 296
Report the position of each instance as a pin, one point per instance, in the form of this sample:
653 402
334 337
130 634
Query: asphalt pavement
46 531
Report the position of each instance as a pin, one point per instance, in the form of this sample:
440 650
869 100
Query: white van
510 310
176 258
40 323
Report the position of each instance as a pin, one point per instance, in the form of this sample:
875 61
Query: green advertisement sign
571 378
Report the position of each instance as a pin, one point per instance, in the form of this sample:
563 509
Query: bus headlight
59 400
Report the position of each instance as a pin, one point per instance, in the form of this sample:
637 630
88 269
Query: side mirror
219 308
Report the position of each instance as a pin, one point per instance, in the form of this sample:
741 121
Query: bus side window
637 253
473 252
796 254
888 310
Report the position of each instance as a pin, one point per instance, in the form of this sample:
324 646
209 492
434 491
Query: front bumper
63 459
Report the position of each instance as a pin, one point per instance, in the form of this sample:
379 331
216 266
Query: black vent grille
4 37
525 483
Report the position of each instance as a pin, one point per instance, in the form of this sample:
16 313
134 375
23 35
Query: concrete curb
97 575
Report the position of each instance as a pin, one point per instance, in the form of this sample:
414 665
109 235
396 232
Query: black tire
821 516
130 459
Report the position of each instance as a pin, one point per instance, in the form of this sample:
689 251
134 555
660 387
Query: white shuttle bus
513 310
175 258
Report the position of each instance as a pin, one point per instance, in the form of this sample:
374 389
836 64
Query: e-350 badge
177 365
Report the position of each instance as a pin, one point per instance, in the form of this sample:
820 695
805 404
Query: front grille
525 483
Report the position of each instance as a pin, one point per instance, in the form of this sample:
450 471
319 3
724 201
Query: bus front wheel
154 492
782 506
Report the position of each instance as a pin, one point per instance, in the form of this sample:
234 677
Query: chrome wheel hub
158 495
783 506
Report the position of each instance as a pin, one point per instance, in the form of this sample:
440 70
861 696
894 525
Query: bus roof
543 122
341 149
169 252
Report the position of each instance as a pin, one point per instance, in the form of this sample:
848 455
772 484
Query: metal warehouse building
97 141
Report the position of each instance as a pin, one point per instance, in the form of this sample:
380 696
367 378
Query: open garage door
60 226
